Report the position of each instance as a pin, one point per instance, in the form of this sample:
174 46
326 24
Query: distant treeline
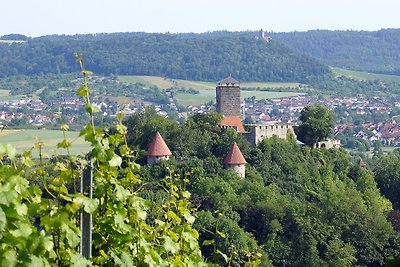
206 57
372 51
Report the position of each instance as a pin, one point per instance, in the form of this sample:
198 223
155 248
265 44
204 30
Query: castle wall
240 169
153 159
257 133
228 100
330 143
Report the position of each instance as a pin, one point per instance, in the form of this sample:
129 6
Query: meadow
366 76
24 140
207 89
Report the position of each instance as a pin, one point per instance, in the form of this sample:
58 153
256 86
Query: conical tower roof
234 156
158 147
362 163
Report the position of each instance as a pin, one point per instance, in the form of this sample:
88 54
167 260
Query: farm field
207 89
23 140
205 96
165 83
359 75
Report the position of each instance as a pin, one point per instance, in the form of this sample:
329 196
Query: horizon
46 17
228 31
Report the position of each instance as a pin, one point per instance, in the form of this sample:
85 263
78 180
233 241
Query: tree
317 124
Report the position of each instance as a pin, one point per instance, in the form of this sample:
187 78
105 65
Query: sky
44 17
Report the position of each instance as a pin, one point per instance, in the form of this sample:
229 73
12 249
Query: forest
168 55
297 205
371 51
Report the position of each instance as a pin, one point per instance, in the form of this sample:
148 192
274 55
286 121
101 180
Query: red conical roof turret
234 156
158 147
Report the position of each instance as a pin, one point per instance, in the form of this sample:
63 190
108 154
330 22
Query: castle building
228 97
256 133
158 150
235 161
228 105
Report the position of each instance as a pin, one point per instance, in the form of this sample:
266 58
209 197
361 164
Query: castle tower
228 97
235 161
158 150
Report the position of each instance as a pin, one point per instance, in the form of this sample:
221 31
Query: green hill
370 51
179 56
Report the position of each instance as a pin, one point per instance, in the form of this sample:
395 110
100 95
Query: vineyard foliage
40 206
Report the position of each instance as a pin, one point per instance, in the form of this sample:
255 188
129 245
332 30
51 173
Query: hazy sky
42 17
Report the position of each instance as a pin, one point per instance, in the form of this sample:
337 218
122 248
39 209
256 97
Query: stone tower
228 97
158 150
235 161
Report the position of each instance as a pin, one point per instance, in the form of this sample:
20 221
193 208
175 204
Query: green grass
4 93
205 96
11 41
23 140
366 76
165 83
16 97
267 85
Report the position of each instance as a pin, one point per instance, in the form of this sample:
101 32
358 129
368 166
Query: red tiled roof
362 163
234 122
234 156
158 147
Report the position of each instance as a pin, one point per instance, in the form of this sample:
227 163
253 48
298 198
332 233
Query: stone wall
228 100
240 169
255 133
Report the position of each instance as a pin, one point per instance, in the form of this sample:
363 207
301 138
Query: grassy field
359 75
4 93
207 89
205 96
11 41
23 140
165 83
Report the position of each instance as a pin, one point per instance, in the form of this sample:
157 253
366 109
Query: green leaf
82 91
78 260
24 230
189 218
3 221
115 161
223 255
170 245
64 144
9 259
121 128
21 209
221 234
8 149
90 205
121 193
119 221
27 161
64 127
186 194
92 108
208 242
124 261
35 262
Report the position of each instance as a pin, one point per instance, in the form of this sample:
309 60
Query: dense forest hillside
376 51
207 57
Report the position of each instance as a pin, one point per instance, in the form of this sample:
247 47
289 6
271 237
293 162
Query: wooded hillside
376 51
186 56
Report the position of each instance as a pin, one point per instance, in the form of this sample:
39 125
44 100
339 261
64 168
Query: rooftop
158 147
232 122
228 81
234 156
